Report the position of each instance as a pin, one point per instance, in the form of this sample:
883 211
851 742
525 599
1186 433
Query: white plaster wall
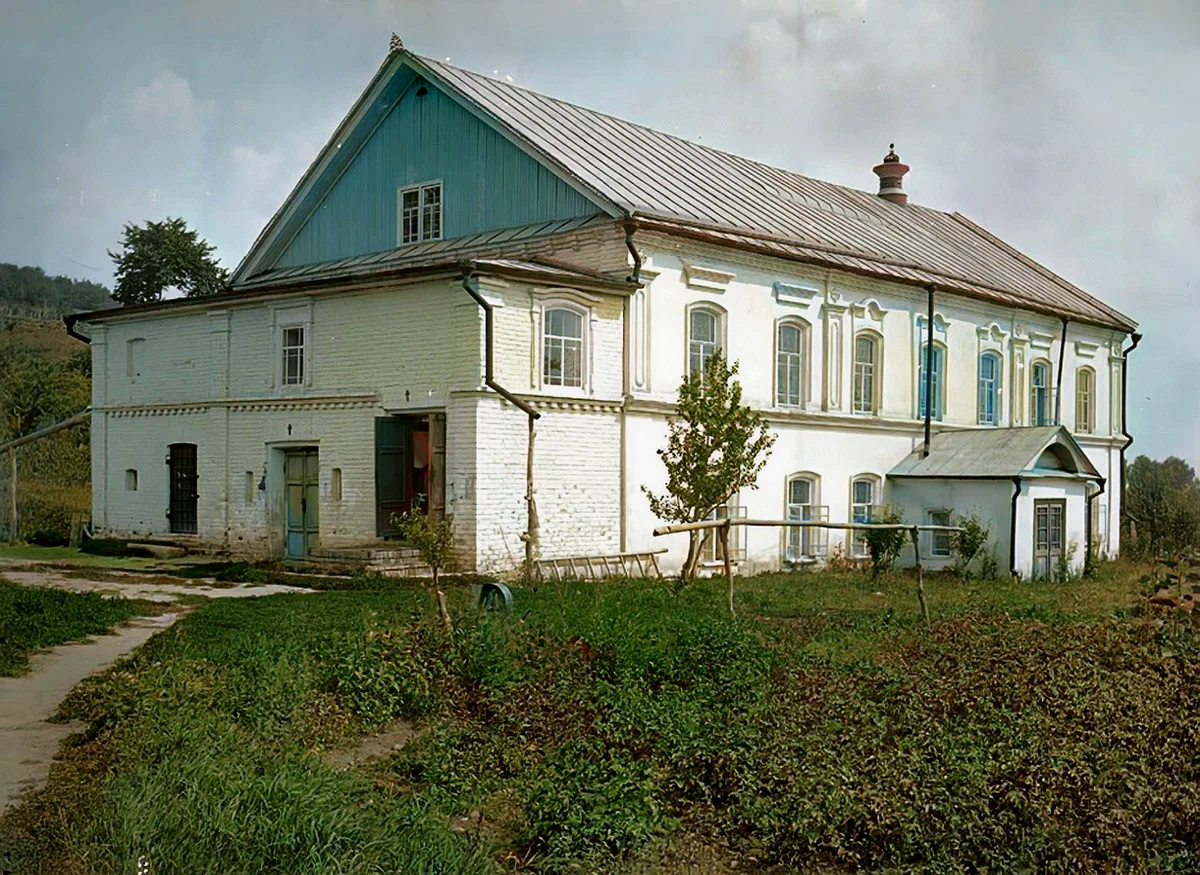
989 500
1032 490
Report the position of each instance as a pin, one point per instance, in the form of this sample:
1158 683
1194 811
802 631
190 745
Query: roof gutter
470 283
1136 338
630 226
1062 355
70 321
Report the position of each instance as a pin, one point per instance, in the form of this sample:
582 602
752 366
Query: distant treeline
30 289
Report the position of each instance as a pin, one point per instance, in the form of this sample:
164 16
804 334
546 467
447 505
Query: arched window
989 388
802 506
562 346
704 338
1039 394
865 498
791 370
867 348
938 384
1085 400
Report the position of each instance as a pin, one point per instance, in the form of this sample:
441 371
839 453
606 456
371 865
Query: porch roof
999 454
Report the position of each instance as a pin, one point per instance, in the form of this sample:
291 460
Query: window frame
803 354
135 357
876 364
585 321
301 358
932 546
939 381
1085 401
420 188
808 539
719 331
858 546
1034 418
996 390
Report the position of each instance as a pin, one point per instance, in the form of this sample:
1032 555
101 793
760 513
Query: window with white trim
937 384
1085 400
420 213
704 338
939 542
990 371
866 372
791 342
864 500
563 346
1039 394
293 355
802 497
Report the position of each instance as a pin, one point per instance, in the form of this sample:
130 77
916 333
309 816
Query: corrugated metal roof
993 453
651 173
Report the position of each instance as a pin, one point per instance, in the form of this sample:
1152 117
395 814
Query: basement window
419 209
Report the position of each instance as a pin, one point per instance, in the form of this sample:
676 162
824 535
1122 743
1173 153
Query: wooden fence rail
723 527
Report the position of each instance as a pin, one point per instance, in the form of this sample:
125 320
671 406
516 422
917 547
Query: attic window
420 209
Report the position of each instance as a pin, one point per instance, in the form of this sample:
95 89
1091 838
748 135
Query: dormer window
420 209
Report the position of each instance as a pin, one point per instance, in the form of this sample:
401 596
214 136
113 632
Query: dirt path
27 742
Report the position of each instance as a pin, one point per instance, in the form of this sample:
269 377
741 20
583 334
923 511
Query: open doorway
403 469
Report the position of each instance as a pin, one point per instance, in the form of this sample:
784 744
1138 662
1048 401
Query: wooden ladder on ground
637 564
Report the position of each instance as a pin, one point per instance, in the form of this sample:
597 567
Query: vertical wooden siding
487 182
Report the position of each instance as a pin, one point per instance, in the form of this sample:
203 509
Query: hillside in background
32 290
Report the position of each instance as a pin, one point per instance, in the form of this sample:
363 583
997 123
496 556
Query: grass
630 727
72 556
34 618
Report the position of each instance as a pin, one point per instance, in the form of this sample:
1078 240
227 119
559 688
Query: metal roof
650 173
997 453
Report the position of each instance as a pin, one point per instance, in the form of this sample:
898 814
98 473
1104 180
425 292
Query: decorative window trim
998 380
1083 349
991 332
1088 426
705 279
546 294
795 293
1050 390
585 353
876 373
722 330
1041 340
808 537
805 329
868 311
420 188
942 397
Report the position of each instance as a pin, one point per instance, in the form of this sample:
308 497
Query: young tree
164 255
885 545
716 446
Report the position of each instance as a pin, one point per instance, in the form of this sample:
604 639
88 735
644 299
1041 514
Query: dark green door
303 490
393 472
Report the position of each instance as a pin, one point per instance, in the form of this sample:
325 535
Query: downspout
1062 356
70 321
1087 525
1012 531
1136 338
928 374
470 283
630 226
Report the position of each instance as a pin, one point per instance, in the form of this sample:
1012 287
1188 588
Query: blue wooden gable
414 132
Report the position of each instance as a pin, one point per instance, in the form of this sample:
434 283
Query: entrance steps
390 560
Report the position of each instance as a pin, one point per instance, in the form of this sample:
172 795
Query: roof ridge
1035 265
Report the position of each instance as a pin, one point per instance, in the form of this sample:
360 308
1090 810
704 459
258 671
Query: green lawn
33 618
74 557
628 727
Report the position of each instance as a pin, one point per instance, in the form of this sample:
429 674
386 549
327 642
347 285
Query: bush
885 544
46 509
967 543
433 536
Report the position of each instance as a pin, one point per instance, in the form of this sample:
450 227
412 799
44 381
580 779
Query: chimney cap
891 157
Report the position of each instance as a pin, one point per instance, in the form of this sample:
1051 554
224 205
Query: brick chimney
891 177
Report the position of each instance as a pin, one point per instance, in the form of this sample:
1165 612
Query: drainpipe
470 283
630 226
1062 355
70 321
1012 532
1136 338
1087 523
928 374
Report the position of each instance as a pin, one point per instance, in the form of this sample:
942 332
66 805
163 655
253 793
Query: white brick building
346 370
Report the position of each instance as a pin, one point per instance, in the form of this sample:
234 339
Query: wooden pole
728 564
12 496
916 539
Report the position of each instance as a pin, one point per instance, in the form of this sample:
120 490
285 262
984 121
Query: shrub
968 542
885 544
46 509
989 565
433 536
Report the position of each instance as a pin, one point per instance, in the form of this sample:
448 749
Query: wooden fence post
728 564
12 496
916 539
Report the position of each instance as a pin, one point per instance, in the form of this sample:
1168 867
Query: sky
1070 129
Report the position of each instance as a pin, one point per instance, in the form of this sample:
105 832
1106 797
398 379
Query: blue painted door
303 504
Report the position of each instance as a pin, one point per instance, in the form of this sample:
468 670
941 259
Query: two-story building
487 298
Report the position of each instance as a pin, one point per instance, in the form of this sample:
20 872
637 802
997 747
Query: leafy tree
1162 507
30 289
716 446
161 256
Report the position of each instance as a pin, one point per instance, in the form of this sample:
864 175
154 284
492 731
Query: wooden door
1049 518
302 471
393 472
183 499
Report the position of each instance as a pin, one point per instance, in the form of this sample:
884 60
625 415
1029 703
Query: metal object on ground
492 598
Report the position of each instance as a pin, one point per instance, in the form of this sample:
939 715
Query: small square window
293 355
